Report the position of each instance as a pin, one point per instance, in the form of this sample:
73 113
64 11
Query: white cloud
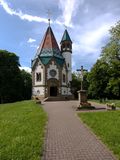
27 69
81 48
20 14
90 38
69 8
93 37
31 40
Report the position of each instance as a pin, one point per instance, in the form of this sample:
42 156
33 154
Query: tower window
68 45
38 77
63 78
63 45
68 65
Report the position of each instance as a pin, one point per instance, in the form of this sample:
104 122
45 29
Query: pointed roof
66 36
49 48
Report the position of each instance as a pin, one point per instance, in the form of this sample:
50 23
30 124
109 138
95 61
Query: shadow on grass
87 108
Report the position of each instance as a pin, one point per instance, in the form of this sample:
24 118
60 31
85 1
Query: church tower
51 67
66 50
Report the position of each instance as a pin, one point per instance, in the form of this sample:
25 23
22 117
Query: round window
53 73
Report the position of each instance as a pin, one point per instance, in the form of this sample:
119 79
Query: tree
14 84
26 84
10 77
98 79
76 83
104 77
111 55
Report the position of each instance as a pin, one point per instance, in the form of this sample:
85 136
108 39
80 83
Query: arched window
68 45
64 78
63 46
38 77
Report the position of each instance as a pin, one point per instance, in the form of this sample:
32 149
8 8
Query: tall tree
26 84
10 77
76 83
105 75
98 79
111 55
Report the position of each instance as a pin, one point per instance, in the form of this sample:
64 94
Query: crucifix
81 75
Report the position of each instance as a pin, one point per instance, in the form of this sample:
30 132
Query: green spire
66 37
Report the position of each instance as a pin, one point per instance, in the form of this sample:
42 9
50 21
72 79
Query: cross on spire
49 14
65 26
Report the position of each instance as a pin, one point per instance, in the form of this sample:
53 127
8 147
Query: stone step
52 98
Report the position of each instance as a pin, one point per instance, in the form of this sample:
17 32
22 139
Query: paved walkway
67 138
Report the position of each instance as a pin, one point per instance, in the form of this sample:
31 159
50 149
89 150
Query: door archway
53 87
53 91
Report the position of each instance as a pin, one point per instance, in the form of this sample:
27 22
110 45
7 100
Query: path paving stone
67 138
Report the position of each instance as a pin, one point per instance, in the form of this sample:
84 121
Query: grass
117 102
21 131
105 125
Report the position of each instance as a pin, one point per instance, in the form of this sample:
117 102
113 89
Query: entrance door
53 91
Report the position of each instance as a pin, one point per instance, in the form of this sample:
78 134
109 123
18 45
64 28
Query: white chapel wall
64 90
64 72
38 91
39 69
67 56
69 91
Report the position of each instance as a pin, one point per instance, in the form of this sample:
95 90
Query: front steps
52 98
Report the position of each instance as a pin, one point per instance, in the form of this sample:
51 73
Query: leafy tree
98 79
104 77
27 84
76 83
14 84
85 81
111 55
115 31
10 77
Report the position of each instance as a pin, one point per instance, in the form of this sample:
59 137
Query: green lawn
117 102
105 125
21 131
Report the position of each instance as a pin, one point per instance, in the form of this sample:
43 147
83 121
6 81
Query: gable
35 63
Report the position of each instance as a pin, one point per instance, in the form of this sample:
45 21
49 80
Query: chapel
52 67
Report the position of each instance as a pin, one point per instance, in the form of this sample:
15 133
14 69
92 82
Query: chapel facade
52 67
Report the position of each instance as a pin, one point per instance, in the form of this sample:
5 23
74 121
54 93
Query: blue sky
23 24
